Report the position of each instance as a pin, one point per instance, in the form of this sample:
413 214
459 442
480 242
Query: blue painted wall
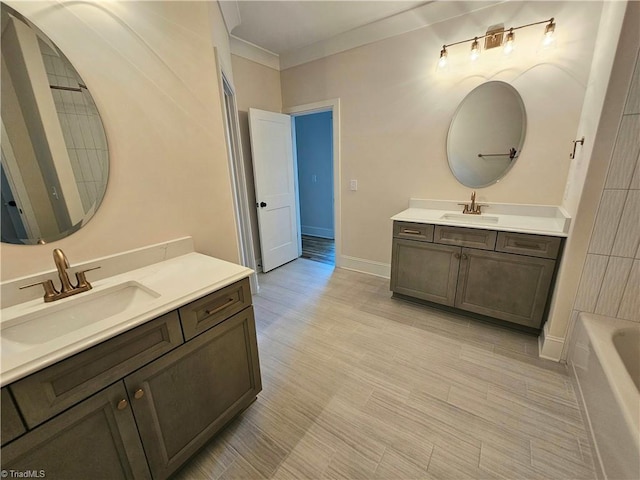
314 149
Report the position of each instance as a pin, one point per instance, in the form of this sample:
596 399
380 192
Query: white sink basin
469 218
73 313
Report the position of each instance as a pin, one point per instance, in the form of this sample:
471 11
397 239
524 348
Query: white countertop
534 219
174 282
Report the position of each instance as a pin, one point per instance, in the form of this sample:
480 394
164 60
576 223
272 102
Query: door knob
263 204
139 394
122 404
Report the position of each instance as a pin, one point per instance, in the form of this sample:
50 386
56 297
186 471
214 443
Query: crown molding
253 52
230 14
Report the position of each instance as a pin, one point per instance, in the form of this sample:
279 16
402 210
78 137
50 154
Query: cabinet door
504 286
12 426
95 439
182 399
425 270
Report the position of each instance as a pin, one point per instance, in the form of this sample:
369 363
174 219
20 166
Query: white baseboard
550 347
378 269
317 231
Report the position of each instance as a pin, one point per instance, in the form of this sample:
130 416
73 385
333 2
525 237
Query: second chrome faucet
67 289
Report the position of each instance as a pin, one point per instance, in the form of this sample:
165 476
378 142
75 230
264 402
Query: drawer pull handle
138 394
411 232
221 307
530 246
122 404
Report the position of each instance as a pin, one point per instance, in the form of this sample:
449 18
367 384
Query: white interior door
273 172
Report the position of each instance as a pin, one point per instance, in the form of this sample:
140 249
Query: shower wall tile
633 98
625 153
613 286
628 234
607 220
630 304
610 282
590 282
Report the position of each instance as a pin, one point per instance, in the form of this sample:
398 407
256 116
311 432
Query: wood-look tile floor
359 385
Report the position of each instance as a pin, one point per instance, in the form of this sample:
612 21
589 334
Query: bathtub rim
600 330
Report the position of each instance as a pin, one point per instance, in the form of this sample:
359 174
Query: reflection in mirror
486 134
54 151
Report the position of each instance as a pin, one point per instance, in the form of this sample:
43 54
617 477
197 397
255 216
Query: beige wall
258 87
151 70
396 109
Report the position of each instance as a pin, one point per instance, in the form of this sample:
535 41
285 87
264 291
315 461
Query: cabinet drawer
465 237
413 231
532 245
12 426
209 311
50 391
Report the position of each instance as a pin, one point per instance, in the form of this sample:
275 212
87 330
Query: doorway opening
313 151
316 136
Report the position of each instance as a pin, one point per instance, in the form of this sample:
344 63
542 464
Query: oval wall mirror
486 134
55 161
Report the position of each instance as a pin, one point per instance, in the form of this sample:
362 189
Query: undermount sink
469 218
74 313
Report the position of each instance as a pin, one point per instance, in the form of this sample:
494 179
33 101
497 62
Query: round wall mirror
486 134
55 161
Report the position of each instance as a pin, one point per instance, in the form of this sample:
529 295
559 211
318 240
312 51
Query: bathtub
605 356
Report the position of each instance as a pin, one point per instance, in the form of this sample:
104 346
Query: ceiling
283 34
284 26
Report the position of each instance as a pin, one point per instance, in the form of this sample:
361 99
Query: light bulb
443 57
475 49
549 34
509 42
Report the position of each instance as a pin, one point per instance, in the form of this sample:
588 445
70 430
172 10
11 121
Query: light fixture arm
550 21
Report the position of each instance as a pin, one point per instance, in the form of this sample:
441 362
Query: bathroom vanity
500 265
140 394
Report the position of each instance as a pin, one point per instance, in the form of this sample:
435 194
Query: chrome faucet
473 208
67 289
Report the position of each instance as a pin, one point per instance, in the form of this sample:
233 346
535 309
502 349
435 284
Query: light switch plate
353 185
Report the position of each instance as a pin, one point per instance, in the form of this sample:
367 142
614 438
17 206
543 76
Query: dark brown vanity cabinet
503 275
140 404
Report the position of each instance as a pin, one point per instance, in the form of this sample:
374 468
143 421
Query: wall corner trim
550 347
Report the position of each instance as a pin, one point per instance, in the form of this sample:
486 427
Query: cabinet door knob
457 255
122 404
464 256
139 394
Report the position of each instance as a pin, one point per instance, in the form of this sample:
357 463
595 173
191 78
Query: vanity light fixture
508 43
493 38
443 57
475 49
549 34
